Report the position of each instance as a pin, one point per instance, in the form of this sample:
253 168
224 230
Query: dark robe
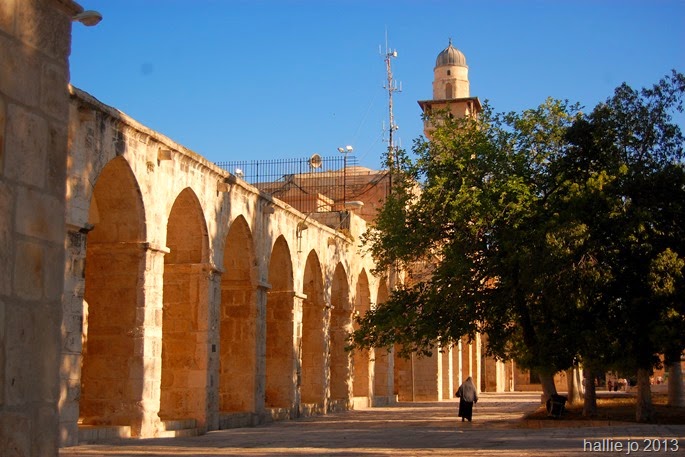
467 397
465 409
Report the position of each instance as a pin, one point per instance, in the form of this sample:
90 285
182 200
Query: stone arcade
144 290
189 294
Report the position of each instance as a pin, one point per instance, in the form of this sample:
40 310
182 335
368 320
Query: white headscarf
468 390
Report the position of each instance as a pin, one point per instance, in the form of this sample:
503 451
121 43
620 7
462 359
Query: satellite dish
315 161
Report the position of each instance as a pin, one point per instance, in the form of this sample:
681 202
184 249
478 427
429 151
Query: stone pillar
34 48
491 369
74 309
260 347
148 347
213 348
403 374
185 367
476 366
501 376
427 377
382 375
467 359
447 374
298 300
457 366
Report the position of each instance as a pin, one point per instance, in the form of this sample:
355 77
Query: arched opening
361 376
382 365
184 322
341 326
312 353
280 373
238 319
449 91
111 386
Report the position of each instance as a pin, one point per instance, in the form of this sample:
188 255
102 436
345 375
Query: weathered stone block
3 124
45 442
70 368
56 163
54 277
53 90
70 411
6 251
15 435
26 145
73 342
20 379
17 60
38 215
29 264
44 26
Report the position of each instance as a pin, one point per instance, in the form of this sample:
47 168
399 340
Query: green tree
483 242
558 234
626 159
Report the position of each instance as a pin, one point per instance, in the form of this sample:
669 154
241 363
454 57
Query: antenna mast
391 87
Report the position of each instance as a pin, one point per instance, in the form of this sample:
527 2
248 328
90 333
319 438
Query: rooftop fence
314 184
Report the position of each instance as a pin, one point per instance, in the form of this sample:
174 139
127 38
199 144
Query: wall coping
88 99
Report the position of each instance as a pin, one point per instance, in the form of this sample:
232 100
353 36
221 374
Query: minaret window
449 91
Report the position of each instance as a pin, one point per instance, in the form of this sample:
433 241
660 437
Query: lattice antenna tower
391 86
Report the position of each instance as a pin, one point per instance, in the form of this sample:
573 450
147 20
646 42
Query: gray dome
450 56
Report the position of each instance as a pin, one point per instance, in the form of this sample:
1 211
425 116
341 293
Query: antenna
391 87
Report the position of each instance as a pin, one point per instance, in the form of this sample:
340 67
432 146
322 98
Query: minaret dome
451 75
450 56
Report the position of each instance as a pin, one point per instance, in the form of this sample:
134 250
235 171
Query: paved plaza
419 429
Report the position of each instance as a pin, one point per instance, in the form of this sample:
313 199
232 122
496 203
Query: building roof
424 103
450 56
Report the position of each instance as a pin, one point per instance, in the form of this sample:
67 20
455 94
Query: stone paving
416 429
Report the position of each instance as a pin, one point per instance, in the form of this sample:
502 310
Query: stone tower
450 87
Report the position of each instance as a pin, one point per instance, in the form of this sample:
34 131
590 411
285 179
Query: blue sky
258 79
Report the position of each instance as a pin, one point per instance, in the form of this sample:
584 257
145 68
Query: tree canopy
557 233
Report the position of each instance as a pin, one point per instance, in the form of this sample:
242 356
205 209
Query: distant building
451 90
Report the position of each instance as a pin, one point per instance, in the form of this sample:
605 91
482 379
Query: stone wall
34 47
191 295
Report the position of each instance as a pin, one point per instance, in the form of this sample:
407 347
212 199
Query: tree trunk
644 412
675 385
548 387
575 387
590 397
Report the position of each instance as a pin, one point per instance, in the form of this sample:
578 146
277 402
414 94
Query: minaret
450 87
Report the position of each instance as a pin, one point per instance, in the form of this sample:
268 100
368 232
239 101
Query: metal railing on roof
314 184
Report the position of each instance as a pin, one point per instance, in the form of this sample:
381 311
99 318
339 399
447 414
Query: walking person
467 395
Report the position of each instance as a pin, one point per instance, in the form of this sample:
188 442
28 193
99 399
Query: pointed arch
185 302
238 322
112 298
312 353
187 230
280 373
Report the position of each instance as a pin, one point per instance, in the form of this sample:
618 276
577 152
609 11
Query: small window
449 72
449 91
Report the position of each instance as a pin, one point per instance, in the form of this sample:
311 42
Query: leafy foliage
558 234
